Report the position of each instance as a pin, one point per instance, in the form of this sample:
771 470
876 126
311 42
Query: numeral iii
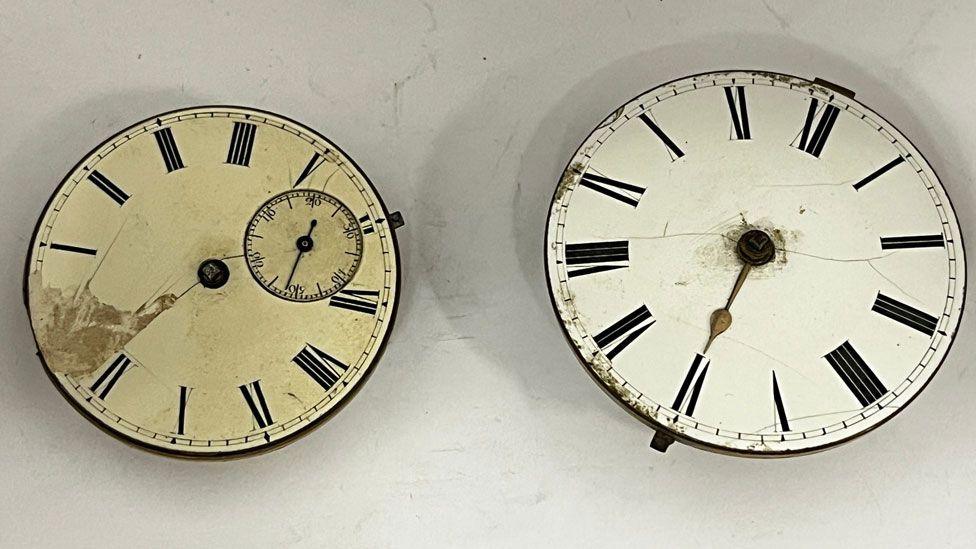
361 301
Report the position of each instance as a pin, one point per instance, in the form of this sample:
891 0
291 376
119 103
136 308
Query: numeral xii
241 144
812 140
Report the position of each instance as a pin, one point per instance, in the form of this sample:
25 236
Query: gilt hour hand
754 248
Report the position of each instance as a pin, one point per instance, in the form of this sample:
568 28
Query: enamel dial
212 282
754 263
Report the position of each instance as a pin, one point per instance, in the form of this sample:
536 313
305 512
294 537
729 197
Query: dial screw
756 248
213 273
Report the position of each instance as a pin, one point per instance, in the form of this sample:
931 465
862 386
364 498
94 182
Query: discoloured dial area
156 316
303 245
755 263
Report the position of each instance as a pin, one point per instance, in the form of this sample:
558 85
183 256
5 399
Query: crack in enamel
77 332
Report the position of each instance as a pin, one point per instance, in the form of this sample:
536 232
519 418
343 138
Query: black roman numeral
624 192
856 374
181 420
813 140
167 147
622 333
313 164
596 257
362 301
909 316
74 249
694 379
673 151
109 188
105 382
878 173
920 241
254 397
241 144
323 368
737 108
366 225
784 425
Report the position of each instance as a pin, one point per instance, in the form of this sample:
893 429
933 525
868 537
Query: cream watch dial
212 281
755 264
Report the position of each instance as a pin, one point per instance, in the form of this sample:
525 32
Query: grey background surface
478 428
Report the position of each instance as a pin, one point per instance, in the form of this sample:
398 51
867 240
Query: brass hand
754 248
722 318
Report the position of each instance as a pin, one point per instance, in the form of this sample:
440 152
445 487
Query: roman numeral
878 173
255 401
362 301
622 333
694 379
167 148
366 225
624 192
737 108
596 257
921 241
323 368
909 316
74 249
241 144
105 382
673 151
856 374
109 188
813 140
313 164
784 425
181 420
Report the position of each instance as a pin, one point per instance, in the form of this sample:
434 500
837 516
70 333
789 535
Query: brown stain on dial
721 252
78 332
568 181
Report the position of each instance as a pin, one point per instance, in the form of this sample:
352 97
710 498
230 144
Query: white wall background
478 428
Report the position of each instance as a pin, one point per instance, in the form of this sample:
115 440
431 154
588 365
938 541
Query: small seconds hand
304 244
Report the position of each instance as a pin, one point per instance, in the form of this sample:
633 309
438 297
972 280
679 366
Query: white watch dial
847 321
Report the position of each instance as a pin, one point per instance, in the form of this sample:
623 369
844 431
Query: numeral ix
596 257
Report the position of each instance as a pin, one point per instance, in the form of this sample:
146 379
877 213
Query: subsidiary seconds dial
303 245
